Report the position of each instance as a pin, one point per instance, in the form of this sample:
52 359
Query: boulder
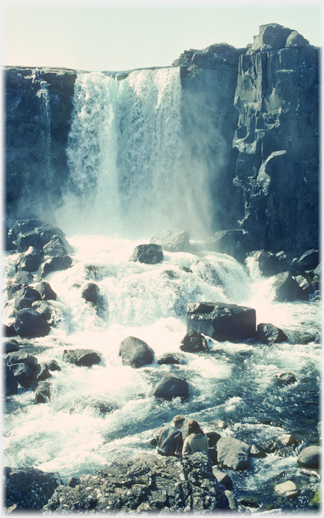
58 246
25 297
12 289
10 382
172 241
310 457
286 489
11 346
22 357
25 225
90 292
42 372
193 342
271 264
29 488
45 290
43 392
23 374
222 321
148 254
54 366
30 260
230 242
308 261
38 237
170 386
268 333
171 358
305 288
296 40
285 287
54 264
135 352
29 323
43 308
222 478
81 357
232 453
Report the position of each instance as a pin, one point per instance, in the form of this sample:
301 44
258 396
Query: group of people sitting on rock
170 440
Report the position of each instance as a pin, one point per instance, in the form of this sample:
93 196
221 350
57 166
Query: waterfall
45 120
125 155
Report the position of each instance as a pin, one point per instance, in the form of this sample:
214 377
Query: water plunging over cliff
125 158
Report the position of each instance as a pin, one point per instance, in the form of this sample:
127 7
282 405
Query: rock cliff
249 116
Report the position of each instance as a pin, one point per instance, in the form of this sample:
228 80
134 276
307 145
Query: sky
123 35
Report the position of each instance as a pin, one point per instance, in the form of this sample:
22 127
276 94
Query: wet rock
29 488
145 482
81 357
29 323
306 262
205 271
213 438
271 264
232 501
305 288
170 386
285 378
172 241
10 382
278 443
268 333
44 309
13 288
30 260
286 287
310 457
286 489
37 237
22 357
25 297
23 374
222 478
11 346
43 392
45 290
90 292
103 406
54 366
232 453
193 342
54 264
222 321
135 352
9 330
230 242
42 372
22 277
171 358
58 246
148 254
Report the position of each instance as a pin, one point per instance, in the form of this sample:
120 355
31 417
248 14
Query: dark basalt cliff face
250 117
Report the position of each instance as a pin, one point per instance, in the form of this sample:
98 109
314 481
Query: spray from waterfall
130 169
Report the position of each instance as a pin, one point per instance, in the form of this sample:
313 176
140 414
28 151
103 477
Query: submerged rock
135 352
90 292
171 358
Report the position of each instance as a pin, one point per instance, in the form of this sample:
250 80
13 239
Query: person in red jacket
170 439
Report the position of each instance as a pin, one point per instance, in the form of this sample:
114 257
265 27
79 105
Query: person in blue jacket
170 439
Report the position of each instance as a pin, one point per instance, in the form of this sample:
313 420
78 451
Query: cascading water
124 160
45 115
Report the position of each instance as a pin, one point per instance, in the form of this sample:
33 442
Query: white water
128 182
126 156
235 383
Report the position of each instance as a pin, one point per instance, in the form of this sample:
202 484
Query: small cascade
45 116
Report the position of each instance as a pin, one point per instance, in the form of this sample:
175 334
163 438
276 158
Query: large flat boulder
232 453
222 321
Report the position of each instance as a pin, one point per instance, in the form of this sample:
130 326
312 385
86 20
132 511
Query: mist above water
130 167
